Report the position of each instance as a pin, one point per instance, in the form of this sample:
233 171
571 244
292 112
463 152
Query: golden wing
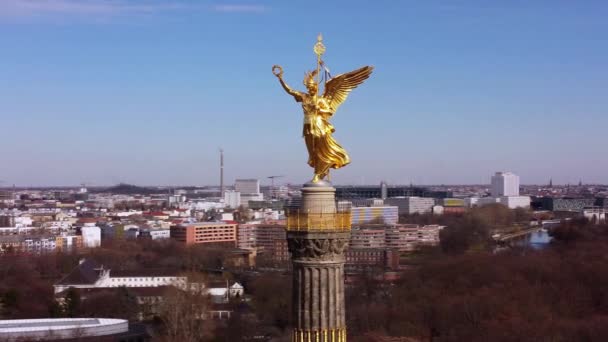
337 88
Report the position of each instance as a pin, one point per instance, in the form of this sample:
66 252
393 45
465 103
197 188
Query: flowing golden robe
324 152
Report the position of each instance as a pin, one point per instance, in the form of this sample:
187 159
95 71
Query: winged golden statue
324 152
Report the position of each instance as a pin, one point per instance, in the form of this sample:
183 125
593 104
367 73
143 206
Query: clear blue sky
145 92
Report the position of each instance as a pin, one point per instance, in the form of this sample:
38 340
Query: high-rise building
505 191
505 184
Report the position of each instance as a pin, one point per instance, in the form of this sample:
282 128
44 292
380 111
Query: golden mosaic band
324 335
297 221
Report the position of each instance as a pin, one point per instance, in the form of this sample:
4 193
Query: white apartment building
411 205
91 235
232 199
505 184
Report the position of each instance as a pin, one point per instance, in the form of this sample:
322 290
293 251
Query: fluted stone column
317 251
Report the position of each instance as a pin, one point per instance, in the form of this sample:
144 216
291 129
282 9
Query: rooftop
85 273
35 329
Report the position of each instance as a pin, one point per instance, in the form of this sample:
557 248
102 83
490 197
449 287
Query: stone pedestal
317 248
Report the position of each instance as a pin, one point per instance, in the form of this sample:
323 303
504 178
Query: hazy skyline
146 92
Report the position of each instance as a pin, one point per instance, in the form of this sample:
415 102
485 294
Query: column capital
318 247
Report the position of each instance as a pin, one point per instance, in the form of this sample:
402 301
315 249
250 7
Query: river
538 239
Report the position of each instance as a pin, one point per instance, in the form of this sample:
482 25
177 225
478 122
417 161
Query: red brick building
205 232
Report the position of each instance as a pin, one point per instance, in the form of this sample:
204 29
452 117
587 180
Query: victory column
317 233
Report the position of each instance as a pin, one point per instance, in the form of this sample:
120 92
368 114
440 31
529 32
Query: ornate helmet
309 79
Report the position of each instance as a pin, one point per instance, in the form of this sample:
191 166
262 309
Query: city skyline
145 92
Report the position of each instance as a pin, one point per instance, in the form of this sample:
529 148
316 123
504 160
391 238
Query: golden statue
324 152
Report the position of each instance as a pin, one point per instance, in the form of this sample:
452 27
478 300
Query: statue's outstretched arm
296 94
278 72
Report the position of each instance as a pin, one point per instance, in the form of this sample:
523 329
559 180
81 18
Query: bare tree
183 313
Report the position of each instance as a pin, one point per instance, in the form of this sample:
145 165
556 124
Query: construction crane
272 178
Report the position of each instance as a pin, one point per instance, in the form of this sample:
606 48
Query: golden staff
319 50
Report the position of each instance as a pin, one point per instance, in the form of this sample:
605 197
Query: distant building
66 242
384 191
567 204
248 189
357 258
7 221
27 244
452 202
269 239
89 274
438 209
247 198
247 186
412 205
514 202
383 214
366 202
597 215
267 204
401 237
148 286
205 232
367 238
112 231
407 237
232 199
131 233
504 190
175 200
91 235
505 184
6 196
38 244
601 202
154 234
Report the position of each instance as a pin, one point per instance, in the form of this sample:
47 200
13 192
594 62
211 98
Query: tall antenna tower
221 173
